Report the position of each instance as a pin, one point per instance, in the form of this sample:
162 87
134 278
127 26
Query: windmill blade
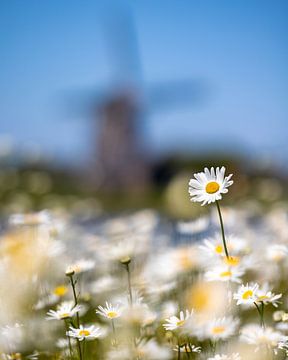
175 94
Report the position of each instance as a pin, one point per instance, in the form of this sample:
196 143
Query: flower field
141 286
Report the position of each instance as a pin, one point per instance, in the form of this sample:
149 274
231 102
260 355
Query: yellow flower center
232 260
65 315
218 330
262 297
212 187
247 294
60 290
219 249
84 332
180 322
112 314
226 274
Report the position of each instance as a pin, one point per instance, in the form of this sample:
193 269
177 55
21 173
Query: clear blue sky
53 48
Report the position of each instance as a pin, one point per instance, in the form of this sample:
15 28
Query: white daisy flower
267 297
276 252
193 227
109 312
64 310
224 273
208 186
174 322
219 329
80 266
246 294
84 333
234 356
261 337
188 348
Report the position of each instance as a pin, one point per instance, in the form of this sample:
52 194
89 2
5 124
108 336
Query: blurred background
112 105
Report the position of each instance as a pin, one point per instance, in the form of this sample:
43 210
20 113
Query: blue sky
51 49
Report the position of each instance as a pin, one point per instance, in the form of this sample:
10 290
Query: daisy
234 356
64 311
224 273
80 266
174 323
60 290
188 348
267 297
208 186
109 312
84 333
277 252
220 329
33 219
246 294
256 335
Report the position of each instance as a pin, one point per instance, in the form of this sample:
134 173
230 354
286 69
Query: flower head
64 311
208 186
109 312
246 294
174 322
84 333
218 329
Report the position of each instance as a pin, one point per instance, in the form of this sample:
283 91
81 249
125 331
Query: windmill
120 161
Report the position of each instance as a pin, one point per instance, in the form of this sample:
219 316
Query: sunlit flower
174 322
267 297
80 266
218 329
64 311
84 333
246 294
224 273
256 335
208 186
109 312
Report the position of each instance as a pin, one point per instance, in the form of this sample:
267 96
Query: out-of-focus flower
208 186
276 252
233 356
258 336
110 311
60 290
246 294
84 332
224 273
267 297
81 266
40 218
174 322
193 227
64 311
218 329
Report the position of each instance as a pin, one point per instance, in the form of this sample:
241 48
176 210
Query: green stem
222 230
129 284
69 340
179 352
261 313
75 298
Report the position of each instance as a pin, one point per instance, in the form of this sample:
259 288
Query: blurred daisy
256 335
174 322
219 329
64 311
246 294
188 348
84 333
267 297
193 227
80 266
60 290
234 356
208 186
224 273
40 218
109 312
276 252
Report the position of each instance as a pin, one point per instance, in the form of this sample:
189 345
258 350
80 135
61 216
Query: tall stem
69 340
129 283
261 313
222 230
